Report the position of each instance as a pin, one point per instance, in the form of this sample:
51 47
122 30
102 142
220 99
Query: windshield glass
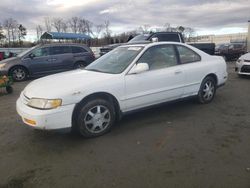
139 38
26 51
115 61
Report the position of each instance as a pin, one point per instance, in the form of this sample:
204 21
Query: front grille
246 60
245 68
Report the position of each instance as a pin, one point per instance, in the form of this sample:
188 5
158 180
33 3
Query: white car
243 65
128 78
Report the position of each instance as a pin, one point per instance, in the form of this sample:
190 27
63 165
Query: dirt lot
177 145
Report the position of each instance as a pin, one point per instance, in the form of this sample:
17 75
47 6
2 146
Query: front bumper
242 68
53 119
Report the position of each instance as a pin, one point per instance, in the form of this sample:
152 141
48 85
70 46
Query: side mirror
139 68
31 56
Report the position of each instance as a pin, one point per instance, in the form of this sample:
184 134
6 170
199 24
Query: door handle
178 72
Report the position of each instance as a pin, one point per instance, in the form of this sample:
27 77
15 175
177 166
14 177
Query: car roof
62 44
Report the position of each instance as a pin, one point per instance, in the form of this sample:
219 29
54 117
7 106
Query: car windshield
139 38
115 61
26 51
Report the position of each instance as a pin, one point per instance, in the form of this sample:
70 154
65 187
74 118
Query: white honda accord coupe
128 78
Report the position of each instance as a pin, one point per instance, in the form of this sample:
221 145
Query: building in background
219 39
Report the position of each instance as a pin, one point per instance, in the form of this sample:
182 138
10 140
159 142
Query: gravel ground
177 145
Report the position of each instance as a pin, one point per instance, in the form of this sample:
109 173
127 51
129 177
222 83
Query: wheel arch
214 76
100 95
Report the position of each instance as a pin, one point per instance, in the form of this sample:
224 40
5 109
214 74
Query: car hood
245 56
69 86
12 60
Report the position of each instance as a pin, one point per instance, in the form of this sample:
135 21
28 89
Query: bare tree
73 24
188 33
10 25
48 24
57 23
107 31
39 31
82 25
22 32
88 26
2 36
64 26
97 30
167 27
144 28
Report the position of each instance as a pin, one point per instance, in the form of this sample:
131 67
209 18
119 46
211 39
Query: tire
79 65
94 118
207 90
9 89
18 74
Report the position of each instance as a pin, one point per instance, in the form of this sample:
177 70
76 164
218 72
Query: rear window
187 55
76 49
60 50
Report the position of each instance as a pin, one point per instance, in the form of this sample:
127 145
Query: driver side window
158 57
41 52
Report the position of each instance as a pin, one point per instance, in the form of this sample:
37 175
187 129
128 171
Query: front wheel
18 74
207 90
95 118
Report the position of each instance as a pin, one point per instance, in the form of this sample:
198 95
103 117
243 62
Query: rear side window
60 50
76 49
159 57
187 55
168 37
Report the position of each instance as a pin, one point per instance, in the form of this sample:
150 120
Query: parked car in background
209 48
47 59
230 51
128 78
243 65
161 36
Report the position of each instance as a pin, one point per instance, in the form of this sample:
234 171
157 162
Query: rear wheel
95 118
207 90
19 74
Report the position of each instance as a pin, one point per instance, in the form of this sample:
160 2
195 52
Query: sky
206 17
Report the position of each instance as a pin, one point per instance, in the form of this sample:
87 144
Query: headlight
240 61
44 103
2 65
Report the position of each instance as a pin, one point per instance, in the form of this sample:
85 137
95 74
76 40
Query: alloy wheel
208 90
97 119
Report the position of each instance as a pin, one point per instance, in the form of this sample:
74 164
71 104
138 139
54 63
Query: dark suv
47 59
161 36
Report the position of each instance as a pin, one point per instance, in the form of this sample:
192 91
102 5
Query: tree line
101 33
12 33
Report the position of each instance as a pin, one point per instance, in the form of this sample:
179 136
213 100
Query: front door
38 61
164 81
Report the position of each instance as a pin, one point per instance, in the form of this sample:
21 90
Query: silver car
45 59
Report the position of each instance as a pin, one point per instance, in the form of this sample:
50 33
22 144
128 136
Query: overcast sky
214 16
